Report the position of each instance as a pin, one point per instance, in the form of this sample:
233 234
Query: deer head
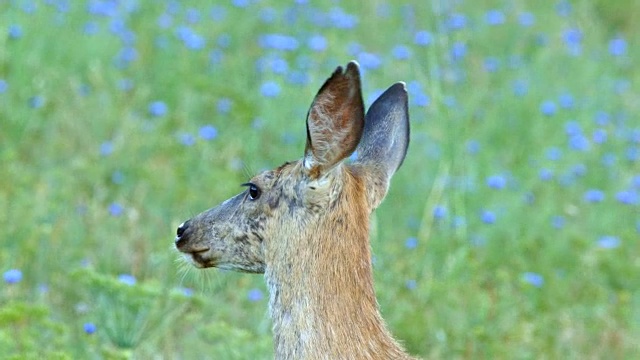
305 223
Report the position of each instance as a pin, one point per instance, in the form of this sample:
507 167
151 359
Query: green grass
462 292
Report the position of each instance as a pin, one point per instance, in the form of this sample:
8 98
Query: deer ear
335 121
385 140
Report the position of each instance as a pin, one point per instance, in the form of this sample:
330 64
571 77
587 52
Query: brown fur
308 231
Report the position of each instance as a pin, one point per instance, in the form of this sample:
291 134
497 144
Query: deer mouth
201 258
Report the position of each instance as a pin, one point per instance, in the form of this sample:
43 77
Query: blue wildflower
127 55
411 284
411 243
473 146
342 20
496 182
255 295
298 77
278 42
526 19
423 38
125 84
353 48
3 86
564 8
164 21
208 132
621 86
599 136
579 142
491 64
515 61
609 159
618 47
127 279
579 170
89 328
457 21
84 89
494 17
186 139
91 28
458 50
542 39
190 38
572 128
188 292
257 123
450 101
216 56
628 197
218 13
278 65
36 102
12 276
106 148
43 288
117 177
401 52
545 174
572 36
268 15
317 43
520 87
554 153
158 108
270 89
115 209
103 8
224 105
224 40
369 61
608 242
548 108
488 217
421 99
557 222
15 31
240 3
458 222
192 15
594 196
566 101
602 118
534 279
439 212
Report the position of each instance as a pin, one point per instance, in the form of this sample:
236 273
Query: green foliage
130 313
28 331
511 230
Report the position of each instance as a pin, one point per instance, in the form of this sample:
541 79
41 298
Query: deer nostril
182 228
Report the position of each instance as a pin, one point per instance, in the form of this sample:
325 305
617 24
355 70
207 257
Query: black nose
182 228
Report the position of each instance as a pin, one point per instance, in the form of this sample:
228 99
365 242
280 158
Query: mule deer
305 225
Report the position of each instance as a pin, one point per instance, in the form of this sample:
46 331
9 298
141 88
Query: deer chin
206 259
201 259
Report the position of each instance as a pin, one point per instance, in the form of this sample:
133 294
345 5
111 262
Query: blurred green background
511 231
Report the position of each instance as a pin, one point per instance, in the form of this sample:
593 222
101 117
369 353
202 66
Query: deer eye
254 191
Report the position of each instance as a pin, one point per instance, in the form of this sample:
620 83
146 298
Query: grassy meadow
511 231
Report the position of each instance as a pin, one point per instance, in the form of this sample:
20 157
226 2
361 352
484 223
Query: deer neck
322 299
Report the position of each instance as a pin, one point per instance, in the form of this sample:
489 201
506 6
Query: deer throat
322 300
